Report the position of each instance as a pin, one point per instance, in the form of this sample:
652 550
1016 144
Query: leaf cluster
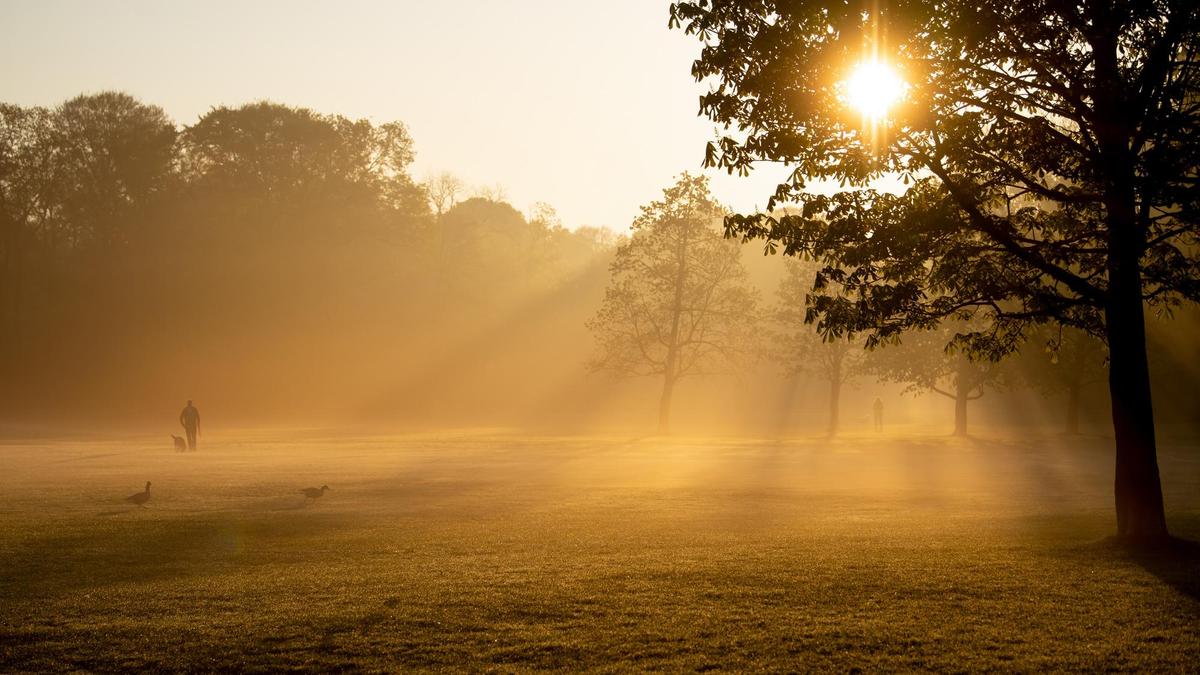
1051 143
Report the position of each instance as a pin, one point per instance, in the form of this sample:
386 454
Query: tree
285 174
679 300
493 193
76 187
278 156
444 190
929 361
1058 150
114 154
801 349
26 188
490 249
1071 361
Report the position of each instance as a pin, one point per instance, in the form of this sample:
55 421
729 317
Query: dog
180 444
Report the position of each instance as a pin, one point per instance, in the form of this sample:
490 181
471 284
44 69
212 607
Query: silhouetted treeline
279 259
280 265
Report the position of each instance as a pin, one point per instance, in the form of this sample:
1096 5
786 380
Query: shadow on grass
153 549
1175 561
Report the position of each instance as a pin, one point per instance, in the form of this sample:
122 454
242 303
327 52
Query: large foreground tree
1058 146
679 301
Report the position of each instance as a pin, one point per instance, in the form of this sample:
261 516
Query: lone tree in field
924 363
1057 147
679 301
801 349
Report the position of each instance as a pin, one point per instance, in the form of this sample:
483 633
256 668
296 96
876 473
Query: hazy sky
586 105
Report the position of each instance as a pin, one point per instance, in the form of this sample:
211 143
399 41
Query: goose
313 493
140 498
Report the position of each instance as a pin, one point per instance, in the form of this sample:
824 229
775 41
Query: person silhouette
190 419
877 409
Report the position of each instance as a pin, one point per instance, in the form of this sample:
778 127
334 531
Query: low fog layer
281 266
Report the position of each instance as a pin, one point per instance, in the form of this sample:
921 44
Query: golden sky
588 106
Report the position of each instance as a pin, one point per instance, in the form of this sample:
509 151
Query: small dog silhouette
180 444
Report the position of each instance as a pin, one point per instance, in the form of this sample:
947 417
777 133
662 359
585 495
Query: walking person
877 409
190 419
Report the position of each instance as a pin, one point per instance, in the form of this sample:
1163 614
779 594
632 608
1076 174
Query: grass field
509 552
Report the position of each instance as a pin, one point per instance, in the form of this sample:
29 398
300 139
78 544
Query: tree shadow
1174 561
151 549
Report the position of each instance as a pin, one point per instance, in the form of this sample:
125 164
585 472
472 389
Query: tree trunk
1137 488
672 362
1136 485
664 405
835 396
1073 396
960 412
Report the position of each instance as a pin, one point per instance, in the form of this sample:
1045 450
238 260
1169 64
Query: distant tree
384 155
599 238
27 169
545 216
292 166
490 250
1060 148
444 190
798 346
79 189
113 155
493 193
1071 361
930 361
679 300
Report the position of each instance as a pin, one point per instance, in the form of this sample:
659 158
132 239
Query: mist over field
500 357
511 551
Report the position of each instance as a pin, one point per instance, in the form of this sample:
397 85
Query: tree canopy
259 251
1056 149
679 302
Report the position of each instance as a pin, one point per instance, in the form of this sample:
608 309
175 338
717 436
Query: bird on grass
313 493
140 498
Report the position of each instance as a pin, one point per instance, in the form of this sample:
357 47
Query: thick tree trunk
1073 396
1137 487
960 412
664 405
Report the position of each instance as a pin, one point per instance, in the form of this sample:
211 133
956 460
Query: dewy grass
510 552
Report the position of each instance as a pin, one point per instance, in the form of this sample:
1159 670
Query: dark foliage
1056 150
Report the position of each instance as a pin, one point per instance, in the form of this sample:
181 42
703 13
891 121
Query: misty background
391 216
283 266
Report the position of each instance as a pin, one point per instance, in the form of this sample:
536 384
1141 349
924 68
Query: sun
872 88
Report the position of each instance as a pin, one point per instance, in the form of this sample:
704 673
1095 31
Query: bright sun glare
872 88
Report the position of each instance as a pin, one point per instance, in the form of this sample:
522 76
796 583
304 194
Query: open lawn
509 552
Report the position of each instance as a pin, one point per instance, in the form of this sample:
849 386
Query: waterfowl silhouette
140 498
313 493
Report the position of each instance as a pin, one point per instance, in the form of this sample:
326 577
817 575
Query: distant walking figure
877 409
190 419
